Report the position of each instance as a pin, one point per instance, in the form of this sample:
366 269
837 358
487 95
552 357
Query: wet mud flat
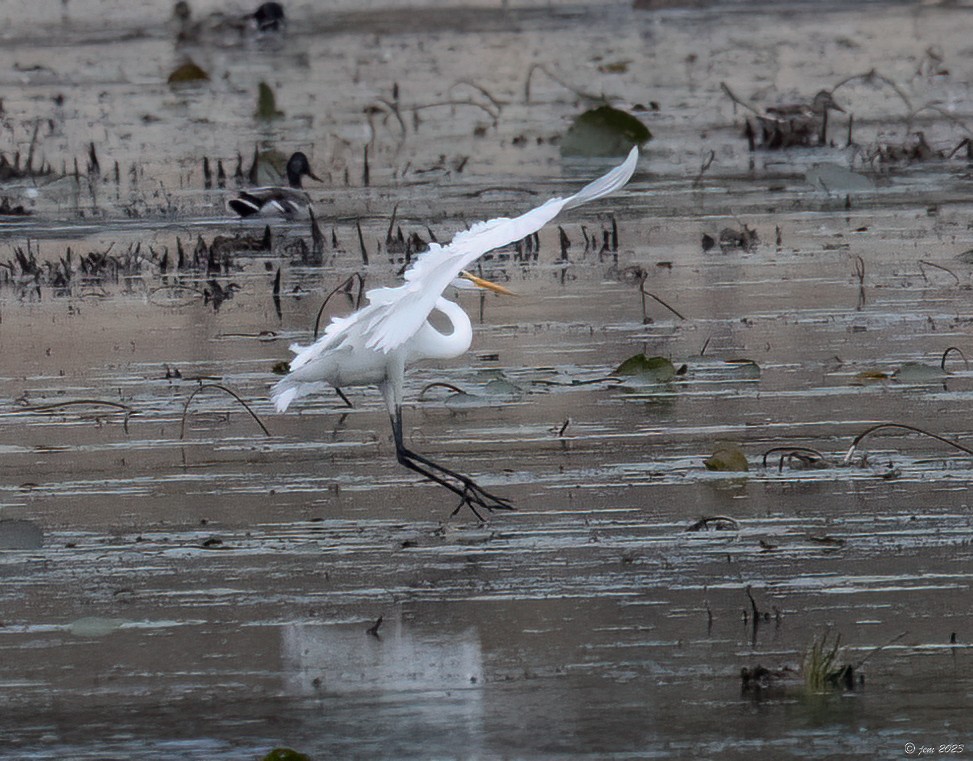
178 584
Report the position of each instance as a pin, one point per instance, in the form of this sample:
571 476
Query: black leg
471 494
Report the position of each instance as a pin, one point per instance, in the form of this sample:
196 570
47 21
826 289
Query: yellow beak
479 282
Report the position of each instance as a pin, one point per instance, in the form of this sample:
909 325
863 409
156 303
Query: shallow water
206 593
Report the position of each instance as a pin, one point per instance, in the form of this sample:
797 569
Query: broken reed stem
344 285
789 450
361 243
925 263
707 163
881 647
482 90
96 402
234 394
729 93
903 426
947 352
575 90
653 296
440 384
873 75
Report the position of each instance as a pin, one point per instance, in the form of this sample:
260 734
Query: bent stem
234 394
903 426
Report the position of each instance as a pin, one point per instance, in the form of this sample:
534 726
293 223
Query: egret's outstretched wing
407 306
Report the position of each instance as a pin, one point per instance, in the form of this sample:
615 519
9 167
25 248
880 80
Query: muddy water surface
191 588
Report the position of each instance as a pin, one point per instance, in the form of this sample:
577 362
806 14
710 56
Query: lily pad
95 626
604 131
188 73
917 372
727 458
833 178
646 369
285 754
266 103
16 534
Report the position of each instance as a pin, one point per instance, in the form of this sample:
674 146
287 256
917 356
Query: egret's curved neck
432 344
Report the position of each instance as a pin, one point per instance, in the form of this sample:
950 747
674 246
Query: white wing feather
406 307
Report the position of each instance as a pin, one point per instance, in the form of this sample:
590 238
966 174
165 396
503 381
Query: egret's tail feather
288 389
607 183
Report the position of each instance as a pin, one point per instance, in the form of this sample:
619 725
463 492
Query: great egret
291 201
374 345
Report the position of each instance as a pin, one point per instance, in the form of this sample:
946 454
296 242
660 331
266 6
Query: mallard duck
291 201
798 123
226 29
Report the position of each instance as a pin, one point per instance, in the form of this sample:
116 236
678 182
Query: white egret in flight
374 345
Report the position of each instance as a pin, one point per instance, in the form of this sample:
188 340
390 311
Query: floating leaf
18 534
746 368
833 178
266 103
646 369
604 131
727 458
95 626
615 67
916 372
188 73
285 754
870 376
462 401
500 388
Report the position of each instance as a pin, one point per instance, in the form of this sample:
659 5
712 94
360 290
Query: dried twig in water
903 426
881 647
938 110
874 76
923 263
860 273
87 402
576 91
482 90
440 384
720 522
707 163
801 453
234 394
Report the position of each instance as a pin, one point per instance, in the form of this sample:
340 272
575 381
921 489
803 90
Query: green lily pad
604 131
188 73
917 372
285 754
17 534
727 458
95 626
266 103
646 369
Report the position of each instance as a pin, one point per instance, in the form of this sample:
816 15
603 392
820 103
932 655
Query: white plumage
374 345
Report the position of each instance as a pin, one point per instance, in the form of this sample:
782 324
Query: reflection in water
332 659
